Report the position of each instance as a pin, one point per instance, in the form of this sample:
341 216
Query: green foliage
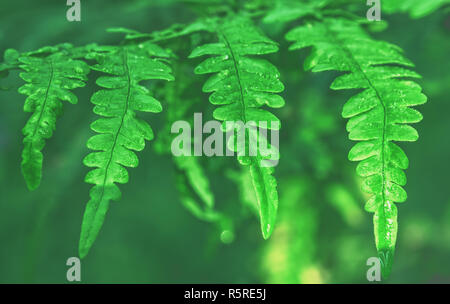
241 86
416 8
378 115
49 79
120 131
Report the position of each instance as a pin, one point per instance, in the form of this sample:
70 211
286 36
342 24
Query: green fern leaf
241 86
416 8
49 80
120 131
378 116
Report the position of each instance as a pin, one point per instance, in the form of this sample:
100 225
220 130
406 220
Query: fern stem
234 59
383 142
45 99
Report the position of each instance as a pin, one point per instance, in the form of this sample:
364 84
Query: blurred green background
323 234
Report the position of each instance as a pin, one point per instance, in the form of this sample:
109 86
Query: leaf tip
267 231
32 176
386 257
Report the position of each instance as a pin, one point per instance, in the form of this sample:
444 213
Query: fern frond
120 131
241 86
49 81
378 116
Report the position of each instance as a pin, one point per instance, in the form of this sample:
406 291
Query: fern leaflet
120 131
241 86
49 79
378 116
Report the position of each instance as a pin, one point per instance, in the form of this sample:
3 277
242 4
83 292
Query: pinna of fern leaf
120 131
241 86
378 116
49 81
